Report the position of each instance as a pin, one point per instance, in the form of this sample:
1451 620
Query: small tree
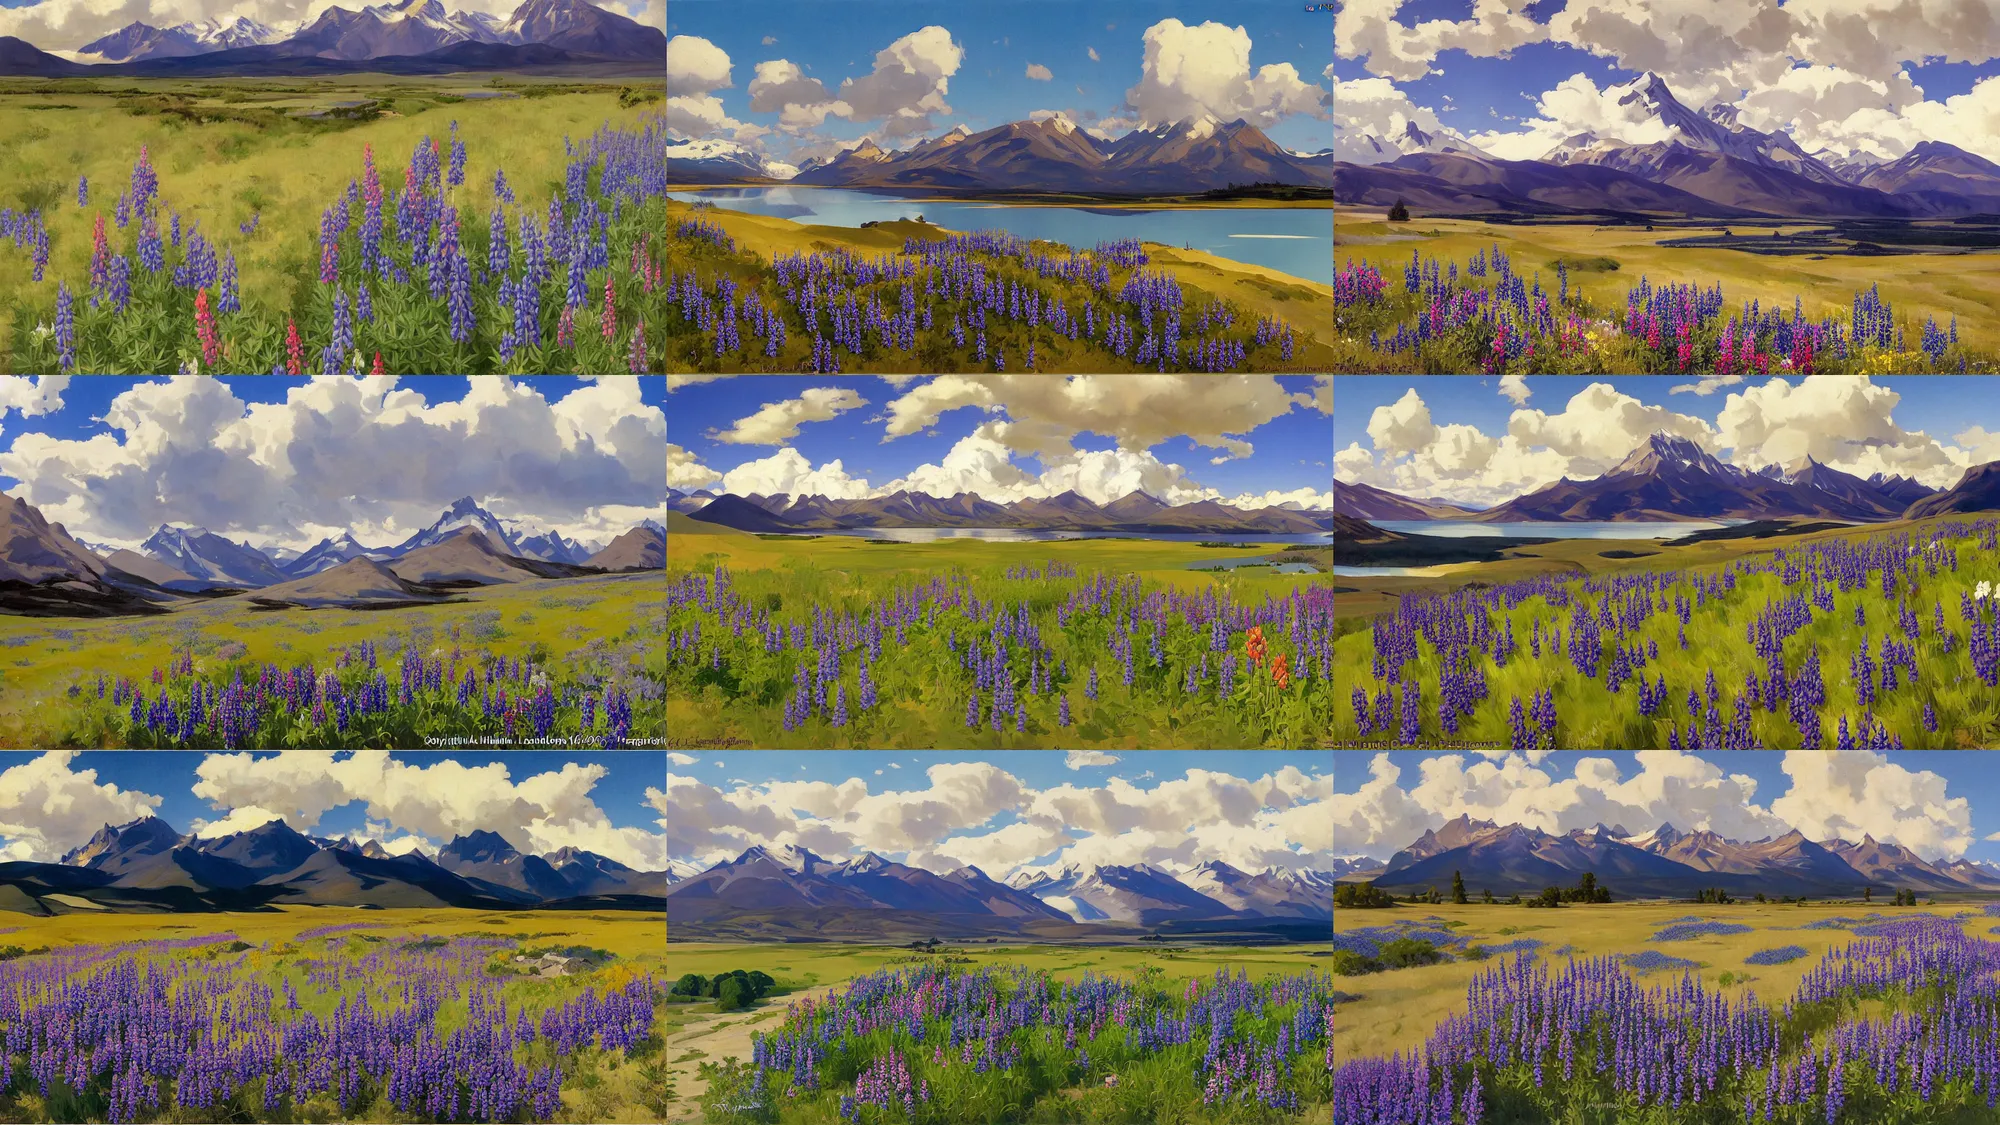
736 993
1457 889
1868 894
1399 213
1486 896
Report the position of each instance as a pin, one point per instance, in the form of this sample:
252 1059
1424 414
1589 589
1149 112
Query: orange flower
1256 643
1281 671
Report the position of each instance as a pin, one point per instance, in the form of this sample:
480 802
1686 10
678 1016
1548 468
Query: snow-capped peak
704 149
962 129
1203 127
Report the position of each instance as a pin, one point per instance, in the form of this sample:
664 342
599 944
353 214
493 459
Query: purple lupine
65 329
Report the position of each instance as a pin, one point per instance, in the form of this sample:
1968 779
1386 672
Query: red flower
295 352
204 330
377 369
1255 644
1281 671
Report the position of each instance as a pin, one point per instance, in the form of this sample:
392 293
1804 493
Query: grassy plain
1366 597
226 150
608 1089
583 624
1257 290
1397 1010
794 573
696 1033
1967 714
1919 285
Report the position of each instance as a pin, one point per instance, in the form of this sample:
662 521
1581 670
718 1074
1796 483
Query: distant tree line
1587 889
730 990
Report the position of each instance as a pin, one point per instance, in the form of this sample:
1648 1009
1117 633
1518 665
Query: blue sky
1938 803
287 461
609 802
1272 440
1468 438
989 82
1880 92
1008 810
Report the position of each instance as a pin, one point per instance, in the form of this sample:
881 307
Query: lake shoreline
1044 199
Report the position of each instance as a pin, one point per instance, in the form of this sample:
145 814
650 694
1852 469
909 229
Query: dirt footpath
719 1035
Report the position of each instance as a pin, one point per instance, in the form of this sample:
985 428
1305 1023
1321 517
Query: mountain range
788 892
1706 164
405 36
147 865
1666 862
1365 501
44 571
1670 478
1052 155
1134 512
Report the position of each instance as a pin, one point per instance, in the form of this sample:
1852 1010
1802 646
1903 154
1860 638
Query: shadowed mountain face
1665 862
1672 478
356 583
1977 491
487 856
470 556
147 865
793 890
641 548
1367 502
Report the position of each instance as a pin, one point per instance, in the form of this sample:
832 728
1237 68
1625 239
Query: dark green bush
1405 953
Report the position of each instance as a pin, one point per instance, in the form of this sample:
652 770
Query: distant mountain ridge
146 864
1704 164
770 891
1134 512
1666 862
1669 478
1053 154
1365 501
401 28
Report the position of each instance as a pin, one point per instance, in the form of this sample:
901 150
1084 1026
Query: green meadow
1616 257
922 691
228 150
1967 712
700 1039
594 626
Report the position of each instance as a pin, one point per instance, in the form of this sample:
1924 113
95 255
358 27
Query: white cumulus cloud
1189 71
47 808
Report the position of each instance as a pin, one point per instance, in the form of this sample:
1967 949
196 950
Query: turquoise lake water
1298 241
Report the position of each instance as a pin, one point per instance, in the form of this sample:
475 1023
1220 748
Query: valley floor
697 1033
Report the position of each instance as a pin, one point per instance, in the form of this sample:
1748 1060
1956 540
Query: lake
1296 240
1459 529
1388 571
1031 535
1260 562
